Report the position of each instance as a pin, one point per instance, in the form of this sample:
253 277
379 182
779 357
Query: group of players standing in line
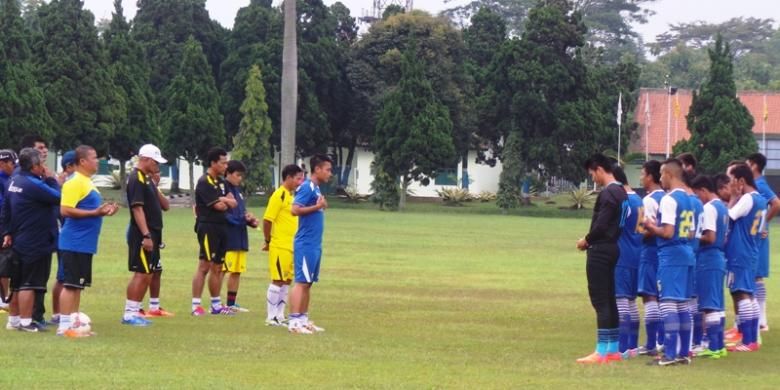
676 248
43 213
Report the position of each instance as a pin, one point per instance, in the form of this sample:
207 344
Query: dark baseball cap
69 158
7 154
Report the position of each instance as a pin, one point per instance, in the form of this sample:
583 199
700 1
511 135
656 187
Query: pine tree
81 98
413 137
192 122
22 103
252 144
131 76
510 182
721 126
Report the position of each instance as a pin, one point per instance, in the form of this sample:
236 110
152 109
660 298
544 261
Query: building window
772 153
447 177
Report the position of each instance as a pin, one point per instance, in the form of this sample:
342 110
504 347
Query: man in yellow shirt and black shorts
279 228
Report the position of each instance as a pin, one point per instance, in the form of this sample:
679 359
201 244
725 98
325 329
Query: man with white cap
144 234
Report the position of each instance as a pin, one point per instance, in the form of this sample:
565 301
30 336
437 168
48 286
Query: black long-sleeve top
605 224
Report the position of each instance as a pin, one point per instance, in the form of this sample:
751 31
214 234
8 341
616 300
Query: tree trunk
348 163
191 170
402 197
174 171
123 180
289 83
465 165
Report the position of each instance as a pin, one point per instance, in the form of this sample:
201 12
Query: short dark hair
758 159
734 162
214 154
676 167
29 141
620 174
318 159
599 160
688 177
742 171
721 180
29 158
687 159
703 182
236 166
653 168
81 153
291 170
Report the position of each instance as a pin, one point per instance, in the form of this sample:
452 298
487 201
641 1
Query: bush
454 196
486 196
352 195
581 197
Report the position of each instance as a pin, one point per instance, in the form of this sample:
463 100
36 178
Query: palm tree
289 84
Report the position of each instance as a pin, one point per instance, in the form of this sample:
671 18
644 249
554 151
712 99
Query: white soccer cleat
299 330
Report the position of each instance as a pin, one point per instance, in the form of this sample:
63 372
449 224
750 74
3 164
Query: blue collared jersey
651 204
630 241
747 218
715 218
310 226
698 209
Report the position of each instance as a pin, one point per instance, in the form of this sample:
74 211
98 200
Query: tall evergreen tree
721 126
131 76
413 137
192 123
81 98
253 141
22 104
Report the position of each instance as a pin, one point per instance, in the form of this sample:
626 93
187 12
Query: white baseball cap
152 152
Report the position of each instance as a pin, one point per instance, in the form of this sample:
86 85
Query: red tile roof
662 110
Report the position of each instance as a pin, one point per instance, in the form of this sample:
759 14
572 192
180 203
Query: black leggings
600 269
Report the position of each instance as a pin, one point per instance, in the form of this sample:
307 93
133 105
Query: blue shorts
709 288
741 280
625 282
762 270
673 282
647 283
307 264
692 292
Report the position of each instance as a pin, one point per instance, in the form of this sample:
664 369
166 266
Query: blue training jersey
311 226
747 218
677 211
766 191
698 209
651 204
715 218
630 241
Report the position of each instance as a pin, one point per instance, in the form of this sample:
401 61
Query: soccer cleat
752 347
630 353
314 328
141 313
238 309
136 321
697 349
74 334
32 328
614 357
198 312
273 322
222 310
55 320
723 352
643 351
159 313
683 360
594 358
663 361
10 326
708 353
733 337
299 330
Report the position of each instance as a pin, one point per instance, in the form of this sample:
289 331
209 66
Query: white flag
620 109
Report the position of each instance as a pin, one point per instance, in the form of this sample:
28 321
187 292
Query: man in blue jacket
7 166
29 221
237 235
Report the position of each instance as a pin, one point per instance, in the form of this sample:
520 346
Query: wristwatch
147 235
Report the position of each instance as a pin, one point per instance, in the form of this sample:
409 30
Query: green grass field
436 299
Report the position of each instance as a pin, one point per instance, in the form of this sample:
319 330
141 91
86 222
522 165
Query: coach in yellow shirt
279 227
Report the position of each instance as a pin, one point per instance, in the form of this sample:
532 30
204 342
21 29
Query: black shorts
77 269
32 273
212 238
139 260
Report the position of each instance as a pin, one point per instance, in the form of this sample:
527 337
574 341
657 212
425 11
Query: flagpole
647 125
668 118
763 127
619 115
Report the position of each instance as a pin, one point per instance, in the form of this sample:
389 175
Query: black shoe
663 361
684 360
28 328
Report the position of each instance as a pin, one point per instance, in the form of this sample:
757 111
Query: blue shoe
136 321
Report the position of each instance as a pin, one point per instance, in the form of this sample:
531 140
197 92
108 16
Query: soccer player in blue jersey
698 208
647 285
711 265
309 205
602 255
742 249
630 244
675 257
757 163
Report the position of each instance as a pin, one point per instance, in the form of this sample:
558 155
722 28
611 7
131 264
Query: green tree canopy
252 144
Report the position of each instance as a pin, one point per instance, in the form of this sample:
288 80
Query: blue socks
652 320
607 341
671 321
633 334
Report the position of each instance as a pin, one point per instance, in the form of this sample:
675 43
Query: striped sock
684 313
64 323
745 320
195 303
714 330
216 302
652 318
602 339
624 324
154 303
761 298
671 321
633 334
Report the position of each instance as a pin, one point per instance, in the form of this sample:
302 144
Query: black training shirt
605 225
207 193
141 191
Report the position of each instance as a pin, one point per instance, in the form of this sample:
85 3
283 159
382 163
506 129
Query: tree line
530 83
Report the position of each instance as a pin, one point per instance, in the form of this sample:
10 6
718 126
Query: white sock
131 309
64 323
272 300
13 320
154 303
282 301
25 321
195 303
216 302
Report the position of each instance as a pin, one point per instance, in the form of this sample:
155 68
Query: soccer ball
81 322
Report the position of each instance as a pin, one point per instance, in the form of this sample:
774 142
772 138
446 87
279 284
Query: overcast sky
667 11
